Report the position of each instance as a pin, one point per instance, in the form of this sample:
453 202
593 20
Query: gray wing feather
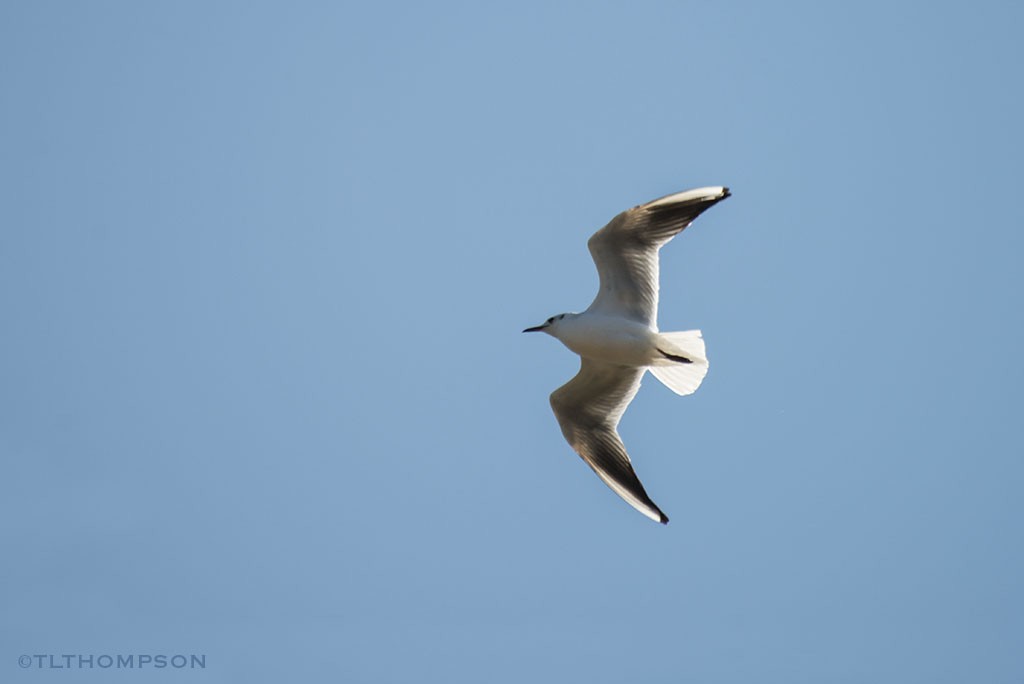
588 409
626 251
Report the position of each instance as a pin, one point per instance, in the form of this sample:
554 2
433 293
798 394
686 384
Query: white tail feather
680 377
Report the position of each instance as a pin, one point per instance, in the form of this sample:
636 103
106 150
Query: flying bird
617 339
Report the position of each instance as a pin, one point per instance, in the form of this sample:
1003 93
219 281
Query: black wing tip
725 194
689 208
664 518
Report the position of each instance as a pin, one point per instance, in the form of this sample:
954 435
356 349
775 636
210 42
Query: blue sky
263 394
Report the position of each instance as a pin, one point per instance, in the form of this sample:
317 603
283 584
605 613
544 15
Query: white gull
617 339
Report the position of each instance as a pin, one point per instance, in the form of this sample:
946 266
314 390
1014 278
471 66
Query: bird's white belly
612 340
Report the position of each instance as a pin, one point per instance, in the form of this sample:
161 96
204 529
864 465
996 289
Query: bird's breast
612 340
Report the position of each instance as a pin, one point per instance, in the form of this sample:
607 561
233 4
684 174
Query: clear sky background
264 396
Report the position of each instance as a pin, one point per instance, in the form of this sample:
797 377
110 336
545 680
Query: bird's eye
551 320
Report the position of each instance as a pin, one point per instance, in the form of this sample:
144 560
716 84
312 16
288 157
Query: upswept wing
626 251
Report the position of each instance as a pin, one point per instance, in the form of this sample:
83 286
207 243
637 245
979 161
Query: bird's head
549 326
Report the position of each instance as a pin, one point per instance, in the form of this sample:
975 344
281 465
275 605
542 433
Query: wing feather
626 251
588 409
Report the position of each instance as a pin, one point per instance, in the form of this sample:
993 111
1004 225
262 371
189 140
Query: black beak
536 329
